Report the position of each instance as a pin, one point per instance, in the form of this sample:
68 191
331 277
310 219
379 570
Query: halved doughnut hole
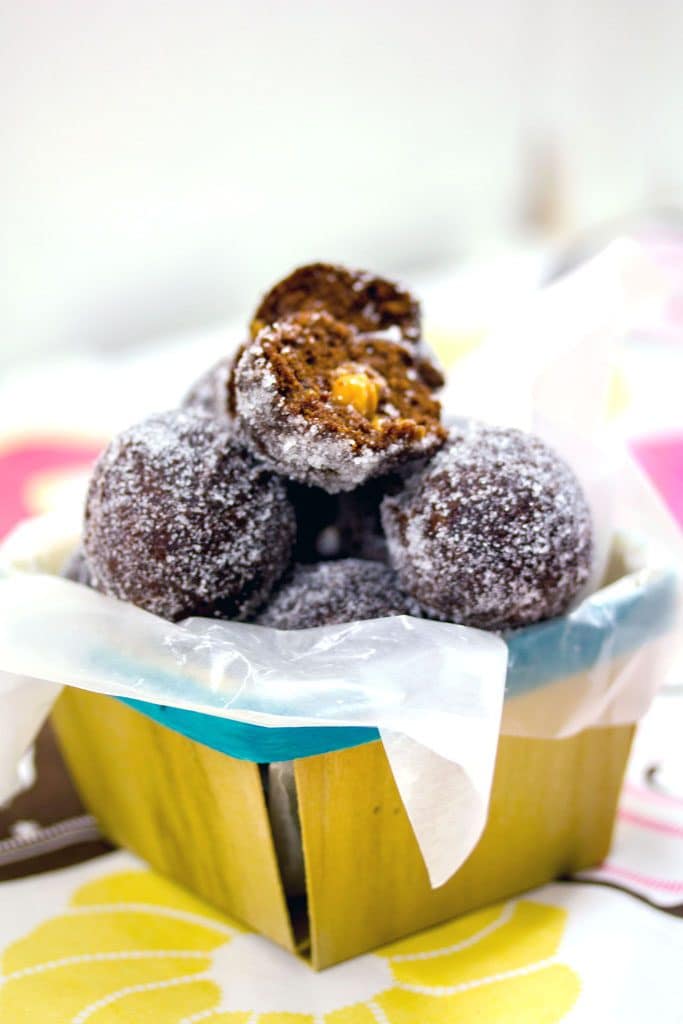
310 353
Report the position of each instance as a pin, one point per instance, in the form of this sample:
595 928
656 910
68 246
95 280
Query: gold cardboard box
200 817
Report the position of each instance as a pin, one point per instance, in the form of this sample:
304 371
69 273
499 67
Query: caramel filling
358 390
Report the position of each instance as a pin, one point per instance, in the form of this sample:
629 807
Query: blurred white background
162 162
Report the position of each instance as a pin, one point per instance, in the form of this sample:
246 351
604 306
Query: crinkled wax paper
434 690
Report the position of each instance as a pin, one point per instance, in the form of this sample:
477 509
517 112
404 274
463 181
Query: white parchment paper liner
434 690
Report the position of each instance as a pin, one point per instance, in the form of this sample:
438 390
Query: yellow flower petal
143 887
63 993
358 1014
540 997
461 930
528 933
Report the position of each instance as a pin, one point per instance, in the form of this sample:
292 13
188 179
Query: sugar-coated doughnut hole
181 520
494 532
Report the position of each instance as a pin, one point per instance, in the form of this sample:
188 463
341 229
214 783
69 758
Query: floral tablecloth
89 934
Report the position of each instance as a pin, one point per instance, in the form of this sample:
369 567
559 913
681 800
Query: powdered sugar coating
209 394
305 448
495 532
180 520
328 593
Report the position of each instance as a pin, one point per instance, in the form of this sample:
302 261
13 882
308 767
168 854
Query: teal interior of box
539 655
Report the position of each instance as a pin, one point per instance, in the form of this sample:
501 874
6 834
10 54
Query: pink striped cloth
647 853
